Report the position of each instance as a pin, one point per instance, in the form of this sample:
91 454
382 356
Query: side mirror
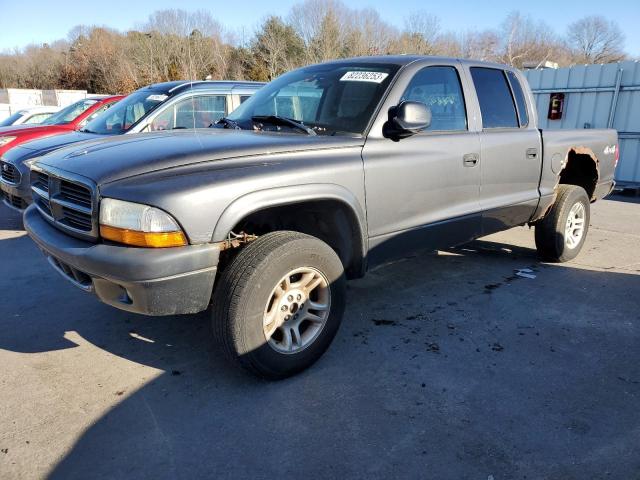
407 119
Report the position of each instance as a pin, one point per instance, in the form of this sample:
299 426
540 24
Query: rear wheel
561 234
279 303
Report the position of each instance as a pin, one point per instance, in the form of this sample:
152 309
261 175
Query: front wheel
560 235
278 305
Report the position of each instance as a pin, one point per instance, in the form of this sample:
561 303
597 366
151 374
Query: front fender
279 196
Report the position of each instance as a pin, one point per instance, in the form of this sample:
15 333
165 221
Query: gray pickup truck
324 173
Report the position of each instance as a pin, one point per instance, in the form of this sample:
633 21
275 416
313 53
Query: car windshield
330 99
124 114
70 113
12 119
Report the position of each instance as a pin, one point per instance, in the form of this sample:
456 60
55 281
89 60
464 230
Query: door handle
470 159
532 153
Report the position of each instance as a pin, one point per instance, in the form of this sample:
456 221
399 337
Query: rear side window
192 112
202 111
37 118
516 87
496 103
439 89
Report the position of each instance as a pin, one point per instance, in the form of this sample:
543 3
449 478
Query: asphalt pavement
447 366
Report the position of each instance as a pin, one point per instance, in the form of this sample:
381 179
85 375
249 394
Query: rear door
422 191
510 150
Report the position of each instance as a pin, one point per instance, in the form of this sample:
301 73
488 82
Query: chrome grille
66 202
10 174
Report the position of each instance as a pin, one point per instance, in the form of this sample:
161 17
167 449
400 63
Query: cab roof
403 60
178 86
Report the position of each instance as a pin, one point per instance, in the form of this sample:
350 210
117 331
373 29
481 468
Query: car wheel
278 304
560 235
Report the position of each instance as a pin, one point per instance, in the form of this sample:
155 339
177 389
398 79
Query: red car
70 118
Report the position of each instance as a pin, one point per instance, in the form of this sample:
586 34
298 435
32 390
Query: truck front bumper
150 281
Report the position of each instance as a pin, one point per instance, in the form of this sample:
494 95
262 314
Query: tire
246 297
552 239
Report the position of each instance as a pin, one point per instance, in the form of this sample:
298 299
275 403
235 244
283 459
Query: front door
423 191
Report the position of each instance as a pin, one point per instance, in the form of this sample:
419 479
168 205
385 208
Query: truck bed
558 145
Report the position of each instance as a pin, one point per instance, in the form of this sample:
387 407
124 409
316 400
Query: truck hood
124 156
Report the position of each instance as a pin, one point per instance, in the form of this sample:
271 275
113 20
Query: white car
29 116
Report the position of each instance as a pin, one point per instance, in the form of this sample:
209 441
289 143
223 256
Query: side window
518 93
208 109
439 88
496 103
165 120
36 118
192 112
244 98
100 110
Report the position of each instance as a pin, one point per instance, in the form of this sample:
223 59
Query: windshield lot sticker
157 98
373 77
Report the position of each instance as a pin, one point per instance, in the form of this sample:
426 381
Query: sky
39 21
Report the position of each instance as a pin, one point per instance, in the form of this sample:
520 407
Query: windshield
70 113
124 114
331 99
13 118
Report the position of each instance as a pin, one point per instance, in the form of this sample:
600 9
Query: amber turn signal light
143 239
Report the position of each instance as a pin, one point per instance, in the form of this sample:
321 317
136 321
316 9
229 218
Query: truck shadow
627 196
447 363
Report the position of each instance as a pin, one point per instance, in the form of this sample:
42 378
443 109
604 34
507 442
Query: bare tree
524 39
367 33
276 49
184 45
321 25
424 30
483 45
594 39
448 44
175 44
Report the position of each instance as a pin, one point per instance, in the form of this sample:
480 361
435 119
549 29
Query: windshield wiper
86 130
227 123
289 122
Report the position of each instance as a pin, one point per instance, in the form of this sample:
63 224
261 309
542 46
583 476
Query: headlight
138 225
5 140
